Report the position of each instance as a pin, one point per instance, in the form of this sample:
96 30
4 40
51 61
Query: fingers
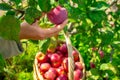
62 25
54 31
57 28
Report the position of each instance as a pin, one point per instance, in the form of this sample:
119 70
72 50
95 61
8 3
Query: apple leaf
97 16
31 14
44 44
108 66
44 5
5 6
16 1
2 62
9 27
32 3
100 5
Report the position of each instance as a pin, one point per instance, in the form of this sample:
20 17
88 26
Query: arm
36 33
9 48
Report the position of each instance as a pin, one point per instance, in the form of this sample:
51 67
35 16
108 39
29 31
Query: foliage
91 27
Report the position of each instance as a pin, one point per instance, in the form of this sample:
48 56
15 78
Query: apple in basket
44 67
78 74
55 60
75 55
61 71
78 65
51 74
41 57
62 77
65 64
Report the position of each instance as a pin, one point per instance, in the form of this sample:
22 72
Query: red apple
78 65
65 64
50 50
63 49
75 55
55 60
58 48
62 77
60 54
57 15
44 67
92 65
94 49
78 74
101 54
60 71
50 74
41 57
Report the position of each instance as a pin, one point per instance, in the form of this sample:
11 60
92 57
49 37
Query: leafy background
94 26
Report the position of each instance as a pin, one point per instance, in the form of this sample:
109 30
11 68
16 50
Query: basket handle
70 57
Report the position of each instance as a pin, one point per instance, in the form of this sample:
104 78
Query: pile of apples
54 65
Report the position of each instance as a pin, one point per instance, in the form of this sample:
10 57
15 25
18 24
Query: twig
3 1
70 28
114 2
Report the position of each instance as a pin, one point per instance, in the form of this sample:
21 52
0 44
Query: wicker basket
38 76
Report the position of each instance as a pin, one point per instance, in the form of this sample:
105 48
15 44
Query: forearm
28 31
34 31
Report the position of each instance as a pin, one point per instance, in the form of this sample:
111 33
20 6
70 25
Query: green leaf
5 6
9 27
44 5
108 66
32 3
62 2
97 16
10 13
73 13
94 72
99 5
16 1
44 44
31 14
107 37
2 63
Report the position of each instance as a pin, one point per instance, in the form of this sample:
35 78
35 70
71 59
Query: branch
114 2
3 1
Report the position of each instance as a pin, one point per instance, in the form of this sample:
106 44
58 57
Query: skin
34 31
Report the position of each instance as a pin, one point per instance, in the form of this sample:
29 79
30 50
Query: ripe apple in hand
57 15
50 74
55 60
62 77
44 67
65 64
41 57
78 74
75 55
78 65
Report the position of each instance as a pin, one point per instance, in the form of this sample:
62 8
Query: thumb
63 24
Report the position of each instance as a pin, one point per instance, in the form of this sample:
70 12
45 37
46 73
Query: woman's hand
34 32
